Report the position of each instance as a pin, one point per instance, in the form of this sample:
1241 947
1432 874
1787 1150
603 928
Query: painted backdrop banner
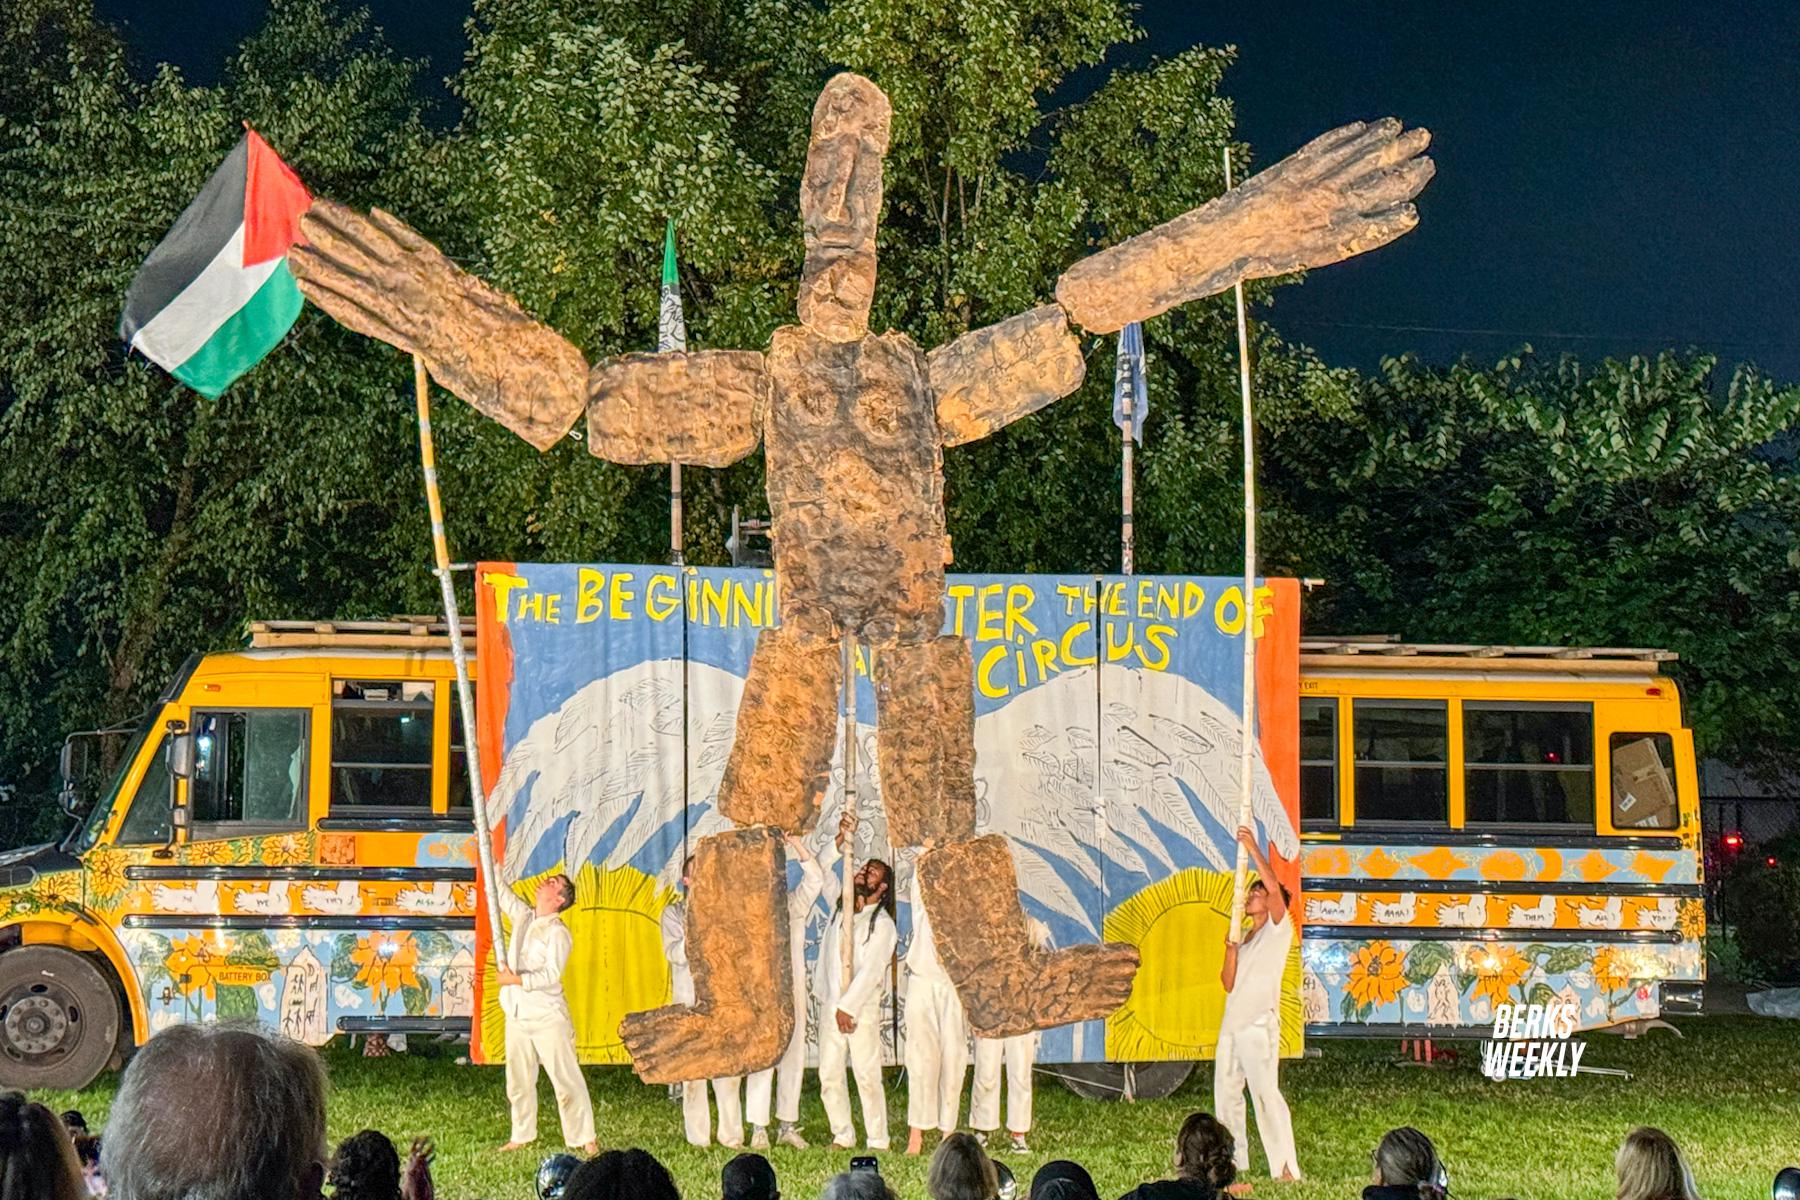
1107 748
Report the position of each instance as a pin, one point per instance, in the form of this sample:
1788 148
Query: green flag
671 329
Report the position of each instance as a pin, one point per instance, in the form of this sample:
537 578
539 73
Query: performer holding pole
539 1027
1249 1050
850 1011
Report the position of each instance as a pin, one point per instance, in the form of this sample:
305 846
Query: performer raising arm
850 1017
1250 1035
783 1079
539 1026
696 1117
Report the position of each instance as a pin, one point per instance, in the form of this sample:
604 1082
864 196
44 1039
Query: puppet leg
1007 985
926 740
780 763
737 947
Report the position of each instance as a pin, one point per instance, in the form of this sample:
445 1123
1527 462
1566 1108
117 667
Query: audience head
553 1175
365 1167
74 1122
1406 1158
857 1185
1063 1180
1650 1167
250 1125
621 1175
961 1170
748 1177
37 1161
1203 1151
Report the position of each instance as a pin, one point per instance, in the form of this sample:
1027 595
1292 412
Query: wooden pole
1127 535
465 696
1247 758
847 931
675 548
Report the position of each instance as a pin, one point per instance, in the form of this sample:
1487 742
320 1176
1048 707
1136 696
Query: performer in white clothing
696 1116
937 1034
1249 1050
850 1017
1016 1054
783 1079
539 1027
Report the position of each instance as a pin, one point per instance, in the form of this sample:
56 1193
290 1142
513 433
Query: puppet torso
856 486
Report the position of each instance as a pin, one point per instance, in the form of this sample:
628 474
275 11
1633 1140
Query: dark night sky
1613 177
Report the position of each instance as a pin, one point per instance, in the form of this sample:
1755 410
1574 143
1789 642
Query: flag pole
671 334
465 696
1127 535
1247 740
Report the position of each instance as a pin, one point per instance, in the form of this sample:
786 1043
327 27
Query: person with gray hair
857 1185
218 1112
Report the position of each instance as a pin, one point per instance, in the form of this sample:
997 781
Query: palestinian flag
215 295
671 328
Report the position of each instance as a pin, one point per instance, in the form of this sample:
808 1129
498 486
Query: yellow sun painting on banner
617 968
1178 926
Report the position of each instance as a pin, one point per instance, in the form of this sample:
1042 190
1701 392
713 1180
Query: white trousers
862 1050
1252 1056
1016 1055
783 1079
696 1117
547 1041
937 1053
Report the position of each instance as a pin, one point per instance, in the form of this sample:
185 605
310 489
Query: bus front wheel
59 1019
1123 1081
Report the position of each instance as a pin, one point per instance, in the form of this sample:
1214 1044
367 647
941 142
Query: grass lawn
1729 1092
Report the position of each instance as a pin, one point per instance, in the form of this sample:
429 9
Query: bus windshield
87 832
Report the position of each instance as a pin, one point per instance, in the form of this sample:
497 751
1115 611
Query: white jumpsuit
784 1078
696 1117
1249 1049
874 939
539 1027
1016 1055
937 1034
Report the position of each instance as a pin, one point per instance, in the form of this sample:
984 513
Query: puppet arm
1343 193
379 277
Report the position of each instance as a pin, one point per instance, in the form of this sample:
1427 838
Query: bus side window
249 767
381 733
1643 781
1318 759
1527 762
1402 760
147 821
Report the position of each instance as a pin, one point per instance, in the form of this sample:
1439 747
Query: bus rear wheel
1124 1081
59 1019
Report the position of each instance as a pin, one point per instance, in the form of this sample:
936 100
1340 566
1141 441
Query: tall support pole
465 696
1127 535
847 892
676 556
1247 759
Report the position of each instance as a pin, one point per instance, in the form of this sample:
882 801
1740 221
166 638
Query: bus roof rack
1390 650
399 633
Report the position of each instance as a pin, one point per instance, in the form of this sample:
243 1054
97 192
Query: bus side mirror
69 797
181 756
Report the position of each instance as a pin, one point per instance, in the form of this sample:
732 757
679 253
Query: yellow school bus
1486 825
287 839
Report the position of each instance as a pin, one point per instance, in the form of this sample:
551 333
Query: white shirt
1262 958
921 952
674 940
875 937
539 952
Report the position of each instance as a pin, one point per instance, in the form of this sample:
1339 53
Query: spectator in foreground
961 1170
1650 1167
1407 1167
748 1177
553 1175
37 1161
1063 1180
249 1125
1203 1163
87 1155
365 1167
621 1175
74 1122
857 1185
415 1180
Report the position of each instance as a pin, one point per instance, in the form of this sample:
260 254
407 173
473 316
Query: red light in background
1733 841
1771 860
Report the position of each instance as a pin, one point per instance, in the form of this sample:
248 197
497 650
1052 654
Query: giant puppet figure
854 425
